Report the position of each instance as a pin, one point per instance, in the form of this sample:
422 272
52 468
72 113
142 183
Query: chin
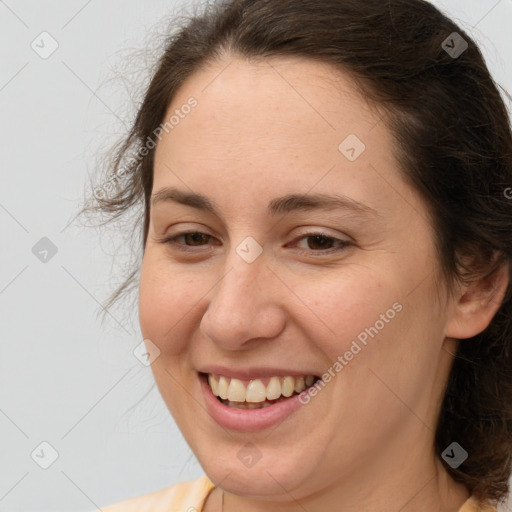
264 478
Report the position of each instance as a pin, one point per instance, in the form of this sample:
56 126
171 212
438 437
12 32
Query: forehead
277 126
269 108
280 94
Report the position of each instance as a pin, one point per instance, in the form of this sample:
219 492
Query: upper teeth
236 391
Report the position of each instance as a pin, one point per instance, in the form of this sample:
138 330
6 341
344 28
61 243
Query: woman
327 236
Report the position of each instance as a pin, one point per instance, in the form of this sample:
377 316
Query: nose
244 308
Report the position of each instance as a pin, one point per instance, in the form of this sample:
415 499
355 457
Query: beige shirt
190 497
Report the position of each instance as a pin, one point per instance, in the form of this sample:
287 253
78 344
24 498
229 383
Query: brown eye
195 238
320 243
190 239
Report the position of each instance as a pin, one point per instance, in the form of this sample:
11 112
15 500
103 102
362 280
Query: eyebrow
278 205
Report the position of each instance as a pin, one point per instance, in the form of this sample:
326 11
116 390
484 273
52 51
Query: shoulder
181 497
472 505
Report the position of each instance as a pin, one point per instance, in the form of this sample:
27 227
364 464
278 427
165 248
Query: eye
326 244
194 237
318 243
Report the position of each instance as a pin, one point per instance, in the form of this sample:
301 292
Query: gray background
65 378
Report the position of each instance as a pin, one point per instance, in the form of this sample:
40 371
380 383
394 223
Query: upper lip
252 372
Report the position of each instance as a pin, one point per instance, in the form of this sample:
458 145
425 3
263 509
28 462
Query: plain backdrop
82 424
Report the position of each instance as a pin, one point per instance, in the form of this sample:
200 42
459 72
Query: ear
476 303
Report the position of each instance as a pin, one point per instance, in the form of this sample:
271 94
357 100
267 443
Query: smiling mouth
257 393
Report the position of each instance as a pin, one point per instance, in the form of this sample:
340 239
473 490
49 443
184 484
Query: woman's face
259 293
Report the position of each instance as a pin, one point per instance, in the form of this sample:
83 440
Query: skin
263 129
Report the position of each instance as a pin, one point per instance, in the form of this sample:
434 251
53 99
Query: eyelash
184 248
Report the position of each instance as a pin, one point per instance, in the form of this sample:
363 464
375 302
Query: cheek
165 300
345 308
370 319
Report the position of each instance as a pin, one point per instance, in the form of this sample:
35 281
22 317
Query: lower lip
247 420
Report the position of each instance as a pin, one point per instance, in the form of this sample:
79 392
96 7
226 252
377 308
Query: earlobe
477 303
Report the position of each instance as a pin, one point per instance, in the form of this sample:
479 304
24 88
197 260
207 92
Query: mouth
257 393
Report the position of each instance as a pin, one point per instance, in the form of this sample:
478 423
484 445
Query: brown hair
453 142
